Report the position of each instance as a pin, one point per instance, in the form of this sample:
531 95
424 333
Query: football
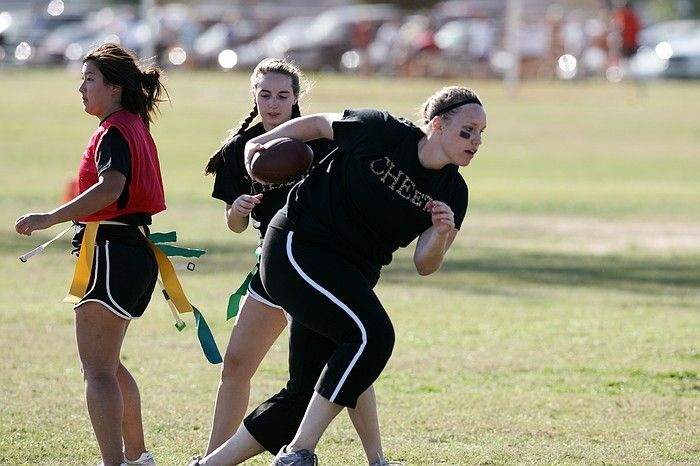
281 161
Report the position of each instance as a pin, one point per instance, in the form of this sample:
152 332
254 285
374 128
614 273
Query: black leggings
339 331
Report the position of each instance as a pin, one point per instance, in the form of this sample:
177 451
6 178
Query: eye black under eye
465 133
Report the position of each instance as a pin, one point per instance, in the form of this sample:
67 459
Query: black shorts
256 290
124 272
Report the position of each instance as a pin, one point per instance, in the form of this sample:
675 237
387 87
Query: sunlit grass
562 329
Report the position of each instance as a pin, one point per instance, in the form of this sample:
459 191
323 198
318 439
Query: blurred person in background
412 37
383 50
627 24
423 52
120 187
276 87
573 34
362 37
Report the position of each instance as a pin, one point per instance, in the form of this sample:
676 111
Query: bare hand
442 216
245 204
30 222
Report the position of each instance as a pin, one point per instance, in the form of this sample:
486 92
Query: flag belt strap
171 284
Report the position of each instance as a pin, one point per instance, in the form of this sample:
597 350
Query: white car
668 49
684 61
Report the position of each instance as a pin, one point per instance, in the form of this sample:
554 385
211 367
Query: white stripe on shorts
259 298
109 292
113 306
95 261
337 302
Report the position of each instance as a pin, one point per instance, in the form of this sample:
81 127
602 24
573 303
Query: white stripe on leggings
340 304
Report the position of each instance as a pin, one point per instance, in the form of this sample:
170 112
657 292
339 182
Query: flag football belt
172 290
234 301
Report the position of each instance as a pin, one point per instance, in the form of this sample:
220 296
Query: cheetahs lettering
398 182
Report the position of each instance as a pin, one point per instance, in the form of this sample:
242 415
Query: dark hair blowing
141 87
268 65
445 98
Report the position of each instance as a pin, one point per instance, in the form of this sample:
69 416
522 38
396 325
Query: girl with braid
276 86
121 188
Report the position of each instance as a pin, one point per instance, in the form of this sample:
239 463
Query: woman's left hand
442 216
28 223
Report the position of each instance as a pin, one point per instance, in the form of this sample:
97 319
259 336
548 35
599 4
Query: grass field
564 327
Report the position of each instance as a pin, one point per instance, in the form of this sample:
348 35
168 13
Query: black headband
468 100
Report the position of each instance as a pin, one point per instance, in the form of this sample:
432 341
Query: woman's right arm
103 193
305 128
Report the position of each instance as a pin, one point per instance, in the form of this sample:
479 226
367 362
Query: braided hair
268 65
141 86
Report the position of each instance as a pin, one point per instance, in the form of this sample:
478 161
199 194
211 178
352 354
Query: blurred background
502 39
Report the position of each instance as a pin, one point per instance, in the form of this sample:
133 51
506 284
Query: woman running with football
388 183
121 188
276 86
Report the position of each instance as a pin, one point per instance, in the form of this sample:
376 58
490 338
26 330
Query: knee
98 375
236 367
380 341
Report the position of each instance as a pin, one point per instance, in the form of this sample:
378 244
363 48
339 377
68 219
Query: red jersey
146 185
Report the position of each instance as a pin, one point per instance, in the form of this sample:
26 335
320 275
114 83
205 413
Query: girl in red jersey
120 187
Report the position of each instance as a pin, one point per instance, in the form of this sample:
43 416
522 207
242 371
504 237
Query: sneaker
146 459
383 462
297 458
194 461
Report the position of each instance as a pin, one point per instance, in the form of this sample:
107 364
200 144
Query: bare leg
364 418
132 425
256 329
235 450
99 335
318 416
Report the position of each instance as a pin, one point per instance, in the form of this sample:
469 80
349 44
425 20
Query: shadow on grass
636 273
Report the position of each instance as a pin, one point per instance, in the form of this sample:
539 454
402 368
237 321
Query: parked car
465 43
668 49
275 43
29 27
71 42
317 42
335 31
684 61
221 36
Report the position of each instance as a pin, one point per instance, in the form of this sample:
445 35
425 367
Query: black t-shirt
113 153
232 179
368 198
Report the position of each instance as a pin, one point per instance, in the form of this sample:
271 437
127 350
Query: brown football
283 160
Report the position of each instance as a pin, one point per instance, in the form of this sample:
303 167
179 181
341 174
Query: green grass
563 328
